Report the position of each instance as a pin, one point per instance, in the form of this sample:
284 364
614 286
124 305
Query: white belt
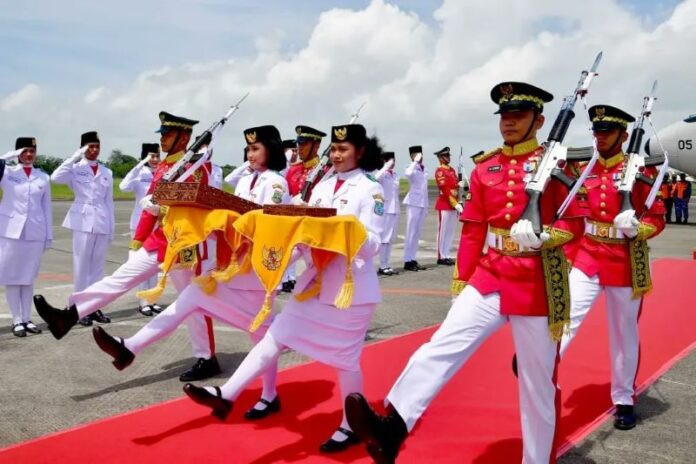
503 243
603 230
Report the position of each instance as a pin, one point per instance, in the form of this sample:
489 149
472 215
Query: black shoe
31 327
335 446
98 316
18 330
146 310
203 369
382 435
450 261
220 406
271 407
115 347
514 364
625 417
386 271
443 262
418 266
59 321
393 272
85 321
410 266
288 286
156 308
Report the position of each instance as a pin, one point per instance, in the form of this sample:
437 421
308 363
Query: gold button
603 213
511 183
604 177
509 194
603 196
602 205
513 162
508 204
603 187
490 182
511 172
606 170
508 217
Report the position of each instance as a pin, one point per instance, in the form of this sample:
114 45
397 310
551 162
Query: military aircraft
679 140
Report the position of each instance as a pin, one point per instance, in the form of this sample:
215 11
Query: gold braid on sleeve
645 231
559 237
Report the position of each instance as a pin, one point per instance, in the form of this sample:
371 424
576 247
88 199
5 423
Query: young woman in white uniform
138 181
235 302
315 327
25 230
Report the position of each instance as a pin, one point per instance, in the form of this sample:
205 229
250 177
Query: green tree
47 163
120 163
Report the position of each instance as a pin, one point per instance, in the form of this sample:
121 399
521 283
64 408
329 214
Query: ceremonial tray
200 196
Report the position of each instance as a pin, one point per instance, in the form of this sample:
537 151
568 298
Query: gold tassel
262 315
207 283
153 294
345 295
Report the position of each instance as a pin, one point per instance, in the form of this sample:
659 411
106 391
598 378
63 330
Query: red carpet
475 418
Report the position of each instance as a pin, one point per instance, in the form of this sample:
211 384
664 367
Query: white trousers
391 224
147 283
89 256
470 321
19 299
622 315
143 265
414 226
447 220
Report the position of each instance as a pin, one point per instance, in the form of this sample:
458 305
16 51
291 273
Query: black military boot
202 369
59 321
382 435
115 347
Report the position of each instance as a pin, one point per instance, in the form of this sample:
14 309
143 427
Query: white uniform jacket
26 205
269 188
138 181
418 185
233 177
215 178
389 180
93 208
364 198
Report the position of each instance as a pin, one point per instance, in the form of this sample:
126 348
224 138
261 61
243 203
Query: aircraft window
691 118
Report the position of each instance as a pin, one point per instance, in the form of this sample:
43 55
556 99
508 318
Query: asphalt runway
51 385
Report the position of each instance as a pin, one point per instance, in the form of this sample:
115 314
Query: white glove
461 183
77 156
418 158
147 205
11 154
627 223
389 164
297 200
459 208
143 161
523 234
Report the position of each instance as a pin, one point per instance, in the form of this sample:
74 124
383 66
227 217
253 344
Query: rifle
633 169
178 171
555 155
318 172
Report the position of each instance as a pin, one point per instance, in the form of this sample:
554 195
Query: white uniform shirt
234 177
418 185
93 208
363 198
25 210
138 181
215 178
389 180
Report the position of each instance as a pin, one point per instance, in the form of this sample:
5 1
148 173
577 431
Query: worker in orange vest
682 193
666 195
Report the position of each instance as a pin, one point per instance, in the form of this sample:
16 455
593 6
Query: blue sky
74 46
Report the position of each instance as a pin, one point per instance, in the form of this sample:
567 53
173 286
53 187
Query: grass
62 192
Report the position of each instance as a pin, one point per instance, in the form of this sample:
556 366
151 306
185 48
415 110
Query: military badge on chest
379 204
277 193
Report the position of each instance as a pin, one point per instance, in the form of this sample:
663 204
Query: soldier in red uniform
150 245
507 283
447 206
604 261
308 141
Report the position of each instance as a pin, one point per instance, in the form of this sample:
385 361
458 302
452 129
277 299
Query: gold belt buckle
603 231
509 245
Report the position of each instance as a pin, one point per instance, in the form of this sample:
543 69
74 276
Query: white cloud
424 82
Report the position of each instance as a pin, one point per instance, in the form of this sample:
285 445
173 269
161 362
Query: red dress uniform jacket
448 185
611 261
148 233
497 199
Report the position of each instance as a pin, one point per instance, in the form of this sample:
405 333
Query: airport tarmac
51 385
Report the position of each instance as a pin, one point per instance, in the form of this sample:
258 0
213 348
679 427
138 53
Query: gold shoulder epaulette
483 156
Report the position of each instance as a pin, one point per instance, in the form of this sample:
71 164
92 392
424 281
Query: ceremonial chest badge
379 204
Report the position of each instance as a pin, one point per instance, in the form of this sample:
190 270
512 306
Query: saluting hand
11 154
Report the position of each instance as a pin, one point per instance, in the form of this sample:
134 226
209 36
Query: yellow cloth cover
274 238
185 228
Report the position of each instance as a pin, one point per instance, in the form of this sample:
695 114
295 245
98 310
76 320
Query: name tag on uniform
495 168
15 179
342 203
